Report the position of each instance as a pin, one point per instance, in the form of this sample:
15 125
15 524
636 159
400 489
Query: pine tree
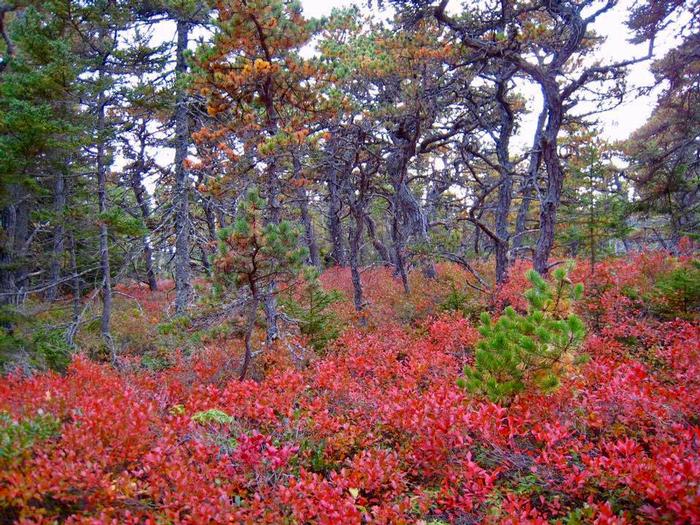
40 129
594 211
253 254
264 101
311 311
519 351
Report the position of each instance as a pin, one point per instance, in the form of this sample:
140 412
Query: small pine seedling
518 351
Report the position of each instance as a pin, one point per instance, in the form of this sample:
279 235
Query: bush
17 437
522 350
212 415
51 350
677 294
461 300
311 310
30 346
455 301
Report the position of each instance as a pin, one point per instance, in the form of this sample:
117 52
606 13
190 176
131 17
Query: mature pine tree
261 100
665 152
40 130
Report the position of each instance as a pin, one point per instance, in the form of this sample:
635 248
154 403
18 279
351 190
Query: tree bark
397 238
309 235
555 176
183 285
105 270
14 218
530 183
210 218
406 209
21 248
58 236
139 194
378 244
250 325
335 226
505 190
275 217
75 282
8 219
355 242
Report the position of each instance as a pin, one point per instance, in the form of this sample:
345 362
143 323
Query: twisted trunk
530 183
378 244
405 207
555 177
335 226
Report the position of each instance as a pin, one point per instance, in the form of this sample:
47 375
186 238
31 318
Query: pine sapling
311 310
252 254
519 351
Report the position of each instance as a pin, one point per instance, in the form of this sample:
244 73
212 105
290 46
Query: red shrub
375 432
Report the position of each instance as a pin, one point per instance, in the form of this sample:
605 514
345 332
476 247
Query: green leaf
212 415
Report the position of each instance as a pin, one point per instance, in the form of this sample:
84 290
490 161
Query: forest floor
373 428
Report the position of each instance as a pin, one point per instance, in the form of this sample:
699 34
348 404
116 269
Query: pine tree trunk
309 234
355 241
104 233
21 246
14 219
183 286
205 259
477 240
75 279
405 206
530 183
548 209
250 326
139 194
58 236
275 217
274 207
378 245
397 238
148 258
505 190
335 226
210 218
555 178
7 274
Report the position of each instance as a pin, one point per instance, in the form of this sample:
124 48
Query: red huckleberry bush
376 430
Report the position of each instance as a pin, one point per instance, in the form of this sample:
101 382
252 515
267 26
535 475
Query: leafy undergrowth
376 430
